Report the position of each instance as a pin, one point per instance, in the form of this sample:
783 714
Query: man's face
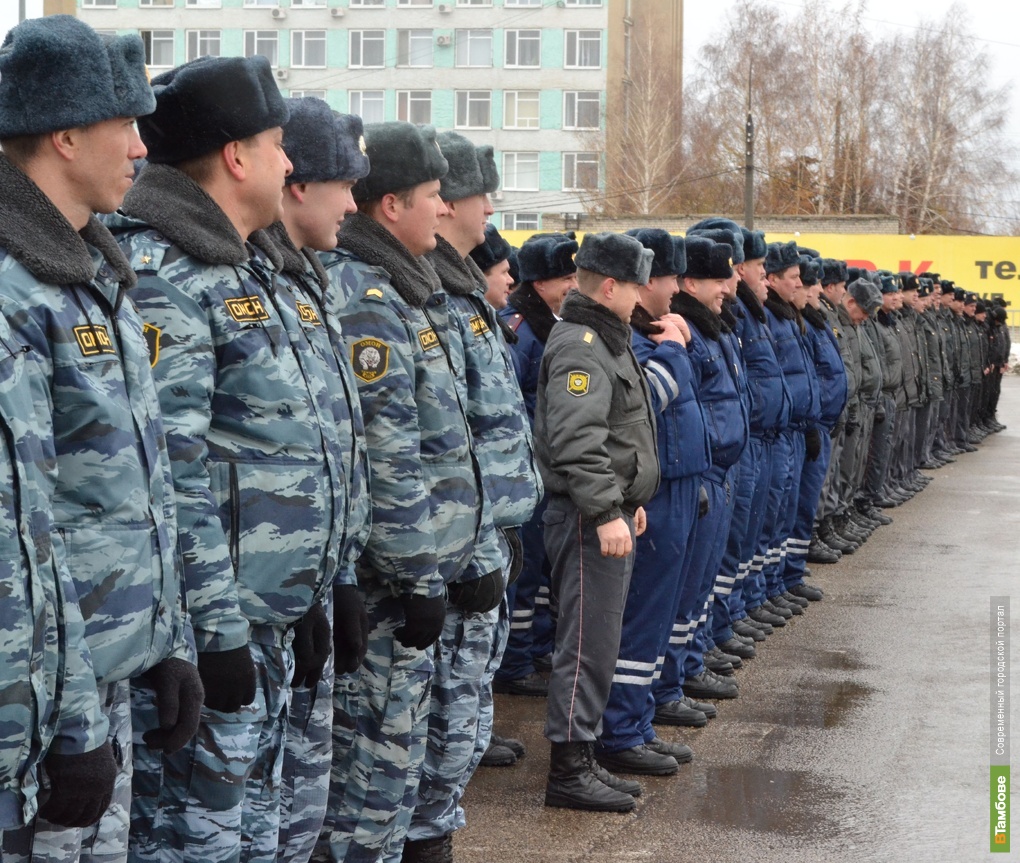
709 292
753 274
911 299
889 301
835 292
417 222
321 211
969 308
500 281
655 296
625 298
268 168
731 285
554 291
856 313
786 282
463 223
813 295
105 170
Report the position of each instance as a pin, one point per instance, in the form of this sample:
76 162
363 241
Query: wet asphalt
862 729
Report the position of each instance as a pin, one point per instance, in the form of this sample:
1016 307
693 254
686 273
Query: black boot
572 784
439 850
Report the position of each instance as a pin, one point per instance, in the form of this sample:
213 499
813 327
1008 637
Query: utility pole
21 10
749 159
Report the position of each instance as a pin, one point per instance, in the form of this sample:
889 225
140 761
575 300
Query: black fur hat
322 144
707 259
811 253
664 262
464 178
58 73
491 250
910 281
833 271
810 270
680 255
490 173
515 270
615 255
733 239
546 256
755 248
781 256
403 156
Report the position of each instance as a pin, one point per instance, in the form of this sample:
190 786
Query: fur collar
39 238
779 307
728 315
267 244
292 261
709 324
814 317
413 278
182 210
534 310
579 309
750 301
642 321
454 271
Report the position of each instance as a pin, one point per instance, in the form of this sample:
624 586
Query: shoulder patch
152 336
370 359
308 314
93 339
588 337
478 325
374 292
428 339
246 310
577 383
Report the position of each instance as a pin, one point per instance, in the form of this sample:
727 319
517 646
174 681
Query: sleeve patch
577 383
370 359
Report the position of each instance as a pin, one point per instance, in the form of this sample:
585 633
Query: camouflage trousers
380 721
460 716
217 800
105 842
306 762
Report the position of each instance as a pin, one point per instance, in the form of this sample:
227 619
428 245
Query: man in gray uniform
596 449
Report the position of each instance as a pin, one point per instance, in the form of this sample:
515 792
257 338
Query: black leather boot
572 784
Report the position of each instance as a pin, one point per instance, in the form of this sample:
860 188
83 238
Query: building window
522 2
414 106
583 49
368 104
99 4
580 171
308 49
202 4
366 3
308 94
520 221
523 49
520 172
159 47
263 3
581 109
297 4
584 2
474 2
111 33
203 43
151 4
414 2
262 43
367 49
414 48
474 109
520 109
474 48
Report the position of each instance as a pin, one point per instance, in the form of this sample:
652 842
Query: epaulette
375 294
150 255
515 321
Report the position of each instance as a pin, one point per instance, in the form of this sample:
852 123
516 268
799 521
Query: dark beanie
546 256
403 156
733 239
58 73
664 260
707 259
209 102
491 250
754 245
615 255
322 144
781 256
464 178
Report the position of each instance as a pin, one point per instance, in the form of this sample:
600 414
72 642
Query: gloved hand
853 422
479 595
228 678
812 444
879 415
179 696
311 647
350 628
423 621
512 535
702 502
81 787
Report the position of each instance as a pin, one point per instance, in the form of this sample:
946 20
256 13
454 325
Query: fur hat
969 298
707 259
980 308
833 271
890 283
680 255
755 248
909 281
491 250
546 256
866 295
811 253
515 270
403 156
490 173
58 73
947 285
209 102
464 179
810 270
959 295
322 144
926 286
664 262
615 255
781 256
733 239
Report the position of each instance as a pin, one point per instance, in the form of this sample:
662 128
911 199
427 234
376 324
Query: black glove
702 502
179 698
512 535
81 787
311 647
813 444
228 678
350 628
423 621
479 595
879 416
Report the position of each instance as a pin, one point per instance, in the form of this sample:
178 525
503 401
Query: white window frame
99 4
514 98
412 4
511 182
573 96
254 37
368 4
305 37
475 3
582 3
572 41
150 54
304 94
198 38
513 218
466 37
377 97
515 37
260 4
573 159
513 3
308 4
155 4
406 51
202 4
378 42
468 99
406 101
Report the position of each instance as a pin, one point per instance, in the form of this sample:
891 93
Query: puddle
819 705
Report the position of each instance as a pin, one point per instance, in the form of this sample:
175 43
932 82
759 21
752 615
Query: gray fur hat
664 261
492 250
209 102
866 295
322 144
615 255
487 162
781 256
58 73
546 256
754 245
732 238
403 156
465 178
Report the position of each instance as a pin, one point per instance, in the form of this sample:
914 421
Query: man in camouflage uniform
430 519
261 489
477 622
325 149
101 453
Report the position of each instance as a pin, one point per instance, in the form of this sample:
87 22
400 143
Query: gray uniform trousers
922 425
858 466
881 449
829 499
590 592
